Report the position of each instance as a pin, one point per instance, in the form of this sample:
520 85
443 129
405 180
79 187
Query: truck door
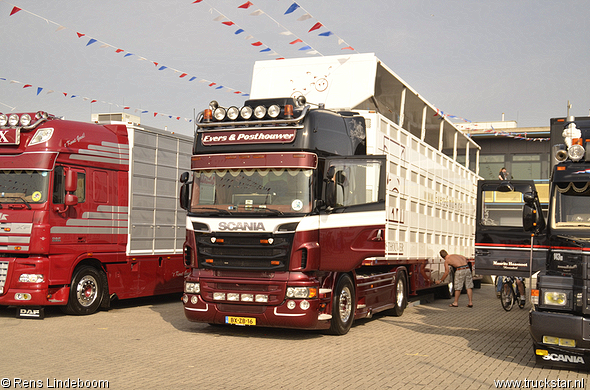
352 225
502 246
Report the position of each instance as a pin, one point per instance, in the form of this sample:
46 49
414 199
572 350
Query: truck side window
502 208
59 191
356 182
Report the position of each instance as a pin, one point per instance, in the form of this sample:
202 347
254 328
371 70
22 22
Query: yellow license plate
240 320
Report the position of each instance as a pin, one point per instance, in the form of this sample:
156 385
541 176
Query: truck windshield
24 186
570 205
276 191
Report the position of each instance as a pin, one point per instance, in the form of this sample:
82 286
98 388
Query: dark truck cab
559 248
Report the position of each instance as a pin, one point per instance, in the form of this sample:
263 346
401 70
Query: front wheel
507 295
343 304
401 298
86 291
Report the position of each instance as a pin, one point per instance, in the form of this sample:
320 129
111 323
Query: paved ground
148 344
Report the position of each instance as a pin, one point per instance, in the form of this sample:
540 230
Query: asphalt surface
149 344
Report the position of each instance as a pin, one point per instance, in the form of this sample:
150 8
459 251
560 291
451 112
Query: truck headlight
576 152
555 298
192 287
31 278
302 292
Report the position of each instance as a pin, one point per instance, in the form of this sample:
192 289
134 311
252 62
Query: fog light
550 340
304 305
13 120
261 298
542 352
185 298
247 298
291 305
219 296
25 120
274 111
567 343
194 299
22 297
260 112
233 112
246 112
233 297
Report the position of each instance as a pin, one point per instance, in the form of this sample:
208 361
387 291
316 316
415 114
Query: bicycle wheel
522 298
507 295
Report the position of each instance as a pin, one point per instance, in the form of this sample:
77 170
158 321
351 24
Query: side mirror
532 219
71 181
71 200
184 177
505 187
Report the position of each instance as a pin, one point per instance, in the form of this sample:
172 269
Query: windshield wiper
214 209
18 197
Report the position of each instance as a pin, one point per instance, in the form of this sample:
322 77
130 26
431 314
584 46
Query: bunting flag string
317 25
73 96
226 21
117 50
306 47
518 136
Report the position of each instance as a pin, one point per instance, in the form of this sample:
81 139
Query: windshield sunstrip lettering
247 137
244 226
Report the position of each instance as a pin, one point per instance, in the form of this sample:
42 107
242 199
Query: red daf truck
311 216
88 212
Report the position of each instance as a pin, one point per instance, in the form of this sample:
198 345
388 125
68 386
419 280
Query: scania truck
88 211
514 237
326 197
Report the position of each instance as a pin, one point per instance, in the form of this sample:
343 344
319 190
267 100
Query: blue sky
472 59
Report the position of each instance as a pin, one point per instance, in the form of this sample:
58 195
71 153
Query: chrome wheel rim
86 290
345 304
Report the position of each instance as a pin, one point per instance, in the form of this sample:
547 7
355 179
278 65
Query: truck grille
3 275
244 251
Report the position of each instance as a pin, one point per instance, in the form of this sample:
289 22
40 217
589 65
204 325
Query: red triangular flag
295 41
126 108
212 84
119 50
155 63
65 94
246 5
93 101
348 47
257 43
315 26
197 1
27 85
183 75
228 23
155 113
80 35
14 10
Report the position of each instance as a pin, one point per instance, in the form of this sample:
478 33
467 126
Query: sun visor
339 82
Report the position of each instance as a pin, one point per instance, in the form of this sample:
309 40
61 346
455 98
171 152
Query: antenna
569 106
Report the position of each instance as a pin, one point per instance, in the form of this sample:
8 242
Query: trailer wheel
448 291
86 291
343 304
401 297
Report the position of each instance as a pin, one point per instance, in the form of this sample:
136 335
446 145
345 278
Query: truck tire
343 305
86 291
401 294
448 290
